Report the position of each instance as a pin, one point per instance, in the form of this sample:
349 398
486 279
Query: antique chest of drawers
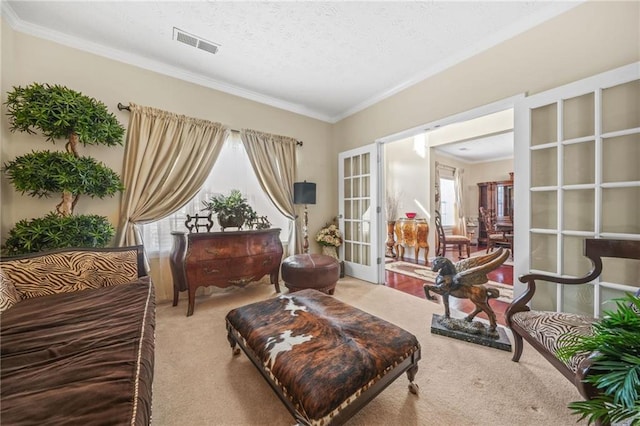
223 259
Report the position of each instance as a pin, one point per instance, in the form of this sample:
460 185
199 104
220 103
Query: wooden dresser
412 233
223 259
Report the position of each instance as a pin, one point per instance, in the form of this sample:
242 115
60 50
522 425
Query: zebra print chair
543 329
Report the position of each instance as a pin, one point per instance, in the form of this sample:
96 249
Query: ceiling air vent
195 41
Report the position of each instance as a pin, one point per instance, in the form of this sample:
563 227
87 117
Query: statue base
473 331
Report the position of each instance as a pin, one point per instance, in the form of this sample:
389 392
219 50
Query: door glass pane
544 210
621 271
574 263
544 167
545 298
366 254
545 124
347 167
578 117
544 254
365 186
578 299
579 161
366 221
620 207
607 296
365 158
347 188
356 165
347 230
579 210
621 107
620 158
348 251
357 187
348 210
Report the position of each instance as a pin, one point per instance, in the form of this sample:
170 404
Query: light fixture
304 193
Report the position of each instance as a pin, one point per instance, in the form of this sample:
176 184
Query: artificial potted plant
232 210
615 349
58 112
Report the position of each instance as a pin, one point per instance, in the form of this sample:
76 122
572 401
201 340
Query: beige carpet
198 382
425 273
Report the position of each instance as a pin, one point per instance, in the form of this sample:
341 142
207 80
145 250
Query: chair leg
468 250
517 350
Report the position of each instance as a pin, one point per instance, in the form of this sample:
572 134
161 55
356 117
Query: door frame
477 112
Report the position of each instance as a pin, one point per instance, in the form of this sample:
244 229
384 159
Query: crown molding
156 66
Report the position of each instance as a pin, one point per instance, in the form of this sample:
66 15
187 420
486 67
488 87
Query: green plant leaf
58 111
40 174
616 340
54 231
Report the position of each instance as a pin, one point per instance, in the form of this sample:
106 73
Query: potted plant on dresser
232 210
58 112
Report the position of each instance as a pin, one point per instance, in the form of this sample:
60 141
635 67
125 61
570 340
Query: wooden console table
412 233
223 259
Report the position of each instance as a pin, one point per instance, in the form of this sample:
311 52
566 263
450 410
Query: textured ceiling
487 148
325 60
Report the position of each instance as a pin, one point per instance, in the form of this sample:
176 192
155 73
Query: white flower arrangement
329 236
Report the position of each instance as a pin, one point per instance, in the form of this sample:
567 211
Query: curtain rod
121 106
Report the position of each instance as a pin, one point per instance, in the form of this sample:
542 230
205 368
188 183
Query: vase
330 251
391 224
230 221
333 252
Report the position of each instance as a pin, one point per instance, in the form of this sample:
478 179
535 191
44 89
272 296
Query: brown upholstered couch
77 338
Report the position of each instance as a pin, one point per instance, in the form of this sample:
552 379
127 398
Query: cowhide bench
323 358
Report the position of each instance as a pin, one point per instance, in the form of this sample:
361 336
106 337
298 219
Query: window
232 170
447 201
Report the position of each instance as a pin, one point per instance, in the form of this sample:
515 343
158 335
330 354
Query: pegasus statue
464 280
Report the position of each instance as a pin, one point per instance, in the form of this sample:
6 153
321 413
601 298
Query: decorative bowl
411 215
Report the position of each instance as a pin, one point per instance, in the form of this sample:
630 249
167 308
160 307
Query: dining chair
445 240
495 237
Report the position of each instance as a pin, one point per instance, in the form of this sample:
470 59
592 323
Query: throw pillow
8 294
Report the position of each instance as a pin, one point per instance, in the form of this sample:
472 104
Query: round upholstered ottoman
316 271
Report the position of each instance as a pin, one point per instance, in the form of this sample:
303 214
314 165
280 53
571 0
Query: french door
576 158
359 211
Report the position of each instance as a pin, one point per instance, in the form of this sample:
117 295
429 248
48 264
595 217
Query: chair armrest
520 304
595 250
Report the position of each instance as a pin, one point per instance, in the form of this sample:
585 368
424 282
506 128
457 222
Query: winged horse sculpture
464 279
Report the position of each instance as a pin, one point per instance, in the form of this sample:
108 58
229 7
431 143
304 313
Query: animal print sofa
76 338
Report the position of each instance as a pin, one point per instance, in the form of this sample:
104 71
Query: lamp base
305 244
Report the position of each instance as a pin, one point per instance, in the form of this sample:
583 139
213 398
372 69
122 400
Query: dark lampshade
304 193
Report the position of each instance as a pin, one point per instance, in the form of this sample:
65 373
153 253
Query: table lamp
304 193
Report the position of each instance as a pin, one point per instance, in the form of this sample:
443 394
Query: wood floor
414 286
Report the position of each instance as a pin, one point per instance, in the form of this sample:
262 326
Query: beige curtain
273 159
167 159
449 172
461 221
